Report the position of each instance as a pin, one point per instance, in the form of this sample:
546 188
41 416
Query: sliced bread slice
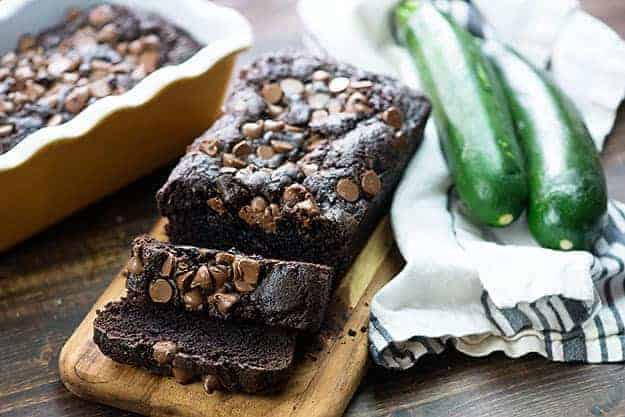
190 346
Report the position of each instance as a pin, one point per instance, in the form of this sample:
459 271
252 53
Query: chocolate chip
294 193
160 291
281 146
393 117
168 265
100 88
321 75
230 160
24 73
291 86
211 384
26 42
135 266
242 149
359 85
183 280
149 60
6 130
252 130
265 152
100 15
220 274
246 269
315 142
258 204
210 147
370 183
309 169
247 215
243 287
77 99
347 189
202 279
193 300
338 84
224 258
217 205
272 93
308 206
224 301
163 352
108 33
181 375
135 47
293 129
274 125
318 101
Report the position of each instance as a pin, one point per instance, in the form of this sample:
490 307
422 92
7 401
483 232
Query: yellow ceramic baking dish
58 170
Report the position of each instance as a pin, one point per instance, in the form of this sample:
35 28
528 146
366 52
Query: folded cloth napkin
484 289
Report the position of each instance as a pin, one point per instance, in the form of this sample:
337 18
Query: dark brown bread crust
209 196
242 357
287 294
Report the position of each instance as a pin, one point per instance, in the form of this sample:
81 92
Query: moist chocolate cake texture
300 167
302 164
225 355
229 285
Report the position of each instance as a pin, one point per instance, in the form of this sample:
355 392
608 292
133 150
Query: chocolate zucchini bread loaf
229 285
234 357
302 164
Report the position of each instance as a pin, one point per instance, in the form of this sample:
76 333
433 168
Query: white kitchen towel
483 289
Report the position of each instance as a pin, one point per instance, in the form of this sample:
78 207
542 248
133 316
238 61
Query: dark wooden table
48 283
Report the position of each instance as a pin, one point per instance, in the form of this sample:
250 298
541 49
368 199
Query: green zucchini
568 197
470 111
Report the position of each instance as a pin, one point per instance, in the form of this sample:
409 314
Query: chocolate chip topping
160 291
370 183
306 134
224 258
163 352
135 266
224 301
217 204
106 50
202 279
252 130
183 280
210 147
274 125
168 265
181 375
246 273
220 274
347 189
292 86
393 117
272 93
265 152
338 85
281 146
193 300
211 384
242 149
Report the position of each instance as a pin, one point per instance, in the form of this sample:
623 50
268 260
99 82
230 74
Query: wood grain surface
326 375
50 282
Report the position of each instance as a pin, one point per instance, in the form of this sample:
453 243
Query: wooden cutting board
322 383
